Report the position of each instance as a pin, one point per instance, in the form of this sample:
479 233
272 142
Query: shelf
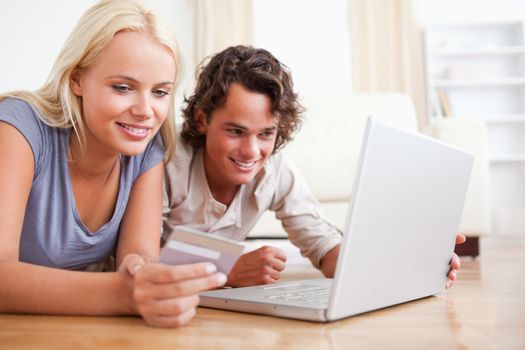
452 52
518 158
443 83
489 119
503 119
476 70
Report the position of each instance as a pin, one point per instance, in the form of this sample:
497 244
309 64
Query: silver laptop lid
402 221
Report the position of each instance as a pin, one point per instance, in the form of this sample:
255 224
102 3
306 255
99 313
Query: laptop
398 238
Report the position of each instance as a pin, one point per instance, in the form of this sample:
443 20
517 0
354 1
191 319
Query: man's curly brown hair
258 71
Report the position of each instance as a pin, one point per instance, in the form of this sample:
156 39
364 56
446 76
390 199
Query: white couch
326 151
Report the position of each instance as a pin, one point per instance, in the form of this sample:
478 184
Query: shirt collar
225 216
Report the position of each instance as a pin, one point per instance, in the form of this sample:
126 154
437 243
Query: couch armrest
471 135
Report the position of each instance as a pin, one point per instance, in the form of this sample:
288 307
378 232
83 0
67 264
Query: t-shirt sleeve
301 215
23 117
153 154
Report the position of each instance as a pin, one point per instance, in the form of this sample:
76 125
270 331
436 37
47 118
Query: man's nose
250 147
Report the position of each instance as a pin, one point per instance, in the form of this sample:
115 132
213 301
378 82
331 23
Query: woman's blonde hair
58 106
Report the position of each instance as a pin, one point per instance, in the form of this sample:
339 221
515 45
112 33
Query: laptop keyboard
320 296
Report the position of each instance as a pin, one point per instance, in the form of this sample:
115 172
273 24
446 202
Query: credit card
188 246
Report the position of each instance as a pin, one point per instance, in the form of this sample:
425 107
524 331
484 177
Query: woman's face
126 94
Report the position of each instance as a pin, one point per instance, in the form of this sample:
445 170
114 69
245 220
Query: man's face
239 138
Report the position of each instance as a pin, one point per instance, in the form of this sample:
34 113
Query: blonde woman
81 176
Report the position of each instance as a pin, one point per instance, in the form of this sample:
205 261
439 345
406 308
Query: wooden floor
487 306
485 310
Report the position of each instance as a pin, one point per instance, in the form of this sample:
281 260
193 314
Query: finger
242 281
268 251
279 254
171 321
271 272
277 265
170 307
131 264
257 273
179 289
460 238
162 273
455 262
270 279
452 275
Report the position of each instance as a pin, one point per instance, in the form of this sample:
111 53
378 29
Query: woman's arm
164 295
141 224
37 289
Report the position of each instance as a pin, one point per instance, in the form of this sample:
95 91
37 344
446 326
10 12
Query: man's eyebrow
239 126
127 77
235 125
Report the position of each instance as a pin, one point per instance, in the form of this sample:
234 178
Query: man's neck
223 195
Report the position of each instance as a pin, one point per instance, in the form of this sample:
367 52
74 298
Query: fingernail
210 268
221 278
135 269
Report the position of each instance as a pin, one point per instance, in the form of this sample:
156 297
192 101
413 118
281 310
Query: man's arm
329 262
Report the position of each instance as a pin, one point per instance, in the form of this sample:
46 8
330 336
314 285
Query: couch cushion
326 148
269 226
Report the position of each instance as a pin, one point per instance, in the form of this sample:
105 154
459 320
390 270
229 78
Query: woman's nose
142 107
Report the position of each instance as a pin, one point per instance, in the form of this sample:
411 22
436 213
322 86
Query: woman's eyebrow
127 77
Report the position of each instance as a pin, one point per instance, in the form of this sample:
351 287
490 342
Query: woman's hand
165 295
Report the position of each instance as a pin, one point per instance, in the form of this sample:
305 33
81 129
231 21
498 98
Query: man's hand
455 263
261 266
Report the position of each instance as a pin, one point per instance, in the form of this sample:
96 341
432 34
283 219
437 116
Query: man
227 170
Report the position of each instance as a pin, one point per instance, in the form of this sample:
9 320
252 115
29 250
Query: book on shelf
444 103
435 106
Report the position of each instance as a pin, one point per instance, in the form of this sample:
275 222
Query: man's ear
200 120
74 83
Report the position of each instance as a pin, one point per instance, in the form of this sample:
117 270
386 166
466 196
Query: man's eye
235 131
121 88
160 93
268 133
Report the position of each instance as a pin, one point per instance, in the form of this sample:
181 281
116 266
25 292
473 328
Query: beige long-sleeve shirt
278 187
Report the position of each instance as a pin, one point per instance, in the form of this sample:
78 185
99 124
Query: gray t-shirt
53 234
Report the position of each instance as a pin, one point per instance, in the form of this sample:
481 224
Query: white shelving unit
477 70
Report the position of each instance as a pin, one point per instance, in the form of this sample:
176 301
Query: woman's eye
121 88
160 93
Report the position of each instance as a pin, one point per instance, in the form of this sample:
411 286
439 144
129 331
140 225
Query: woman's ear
74 83
200 120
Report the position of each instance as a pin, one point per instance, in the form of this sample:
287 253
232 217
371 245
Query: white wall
313 39
32 33
428 11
